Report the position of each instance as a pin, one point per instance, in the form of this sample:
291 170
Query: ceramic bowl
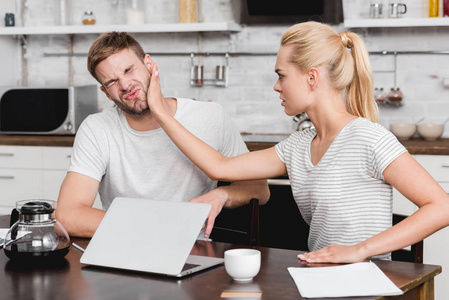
430 132
403 131
242 264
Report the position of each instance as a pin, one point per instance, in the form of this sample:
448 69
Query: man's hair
110 43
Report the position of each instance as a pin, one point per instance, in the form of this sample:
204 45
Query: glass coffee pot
36 236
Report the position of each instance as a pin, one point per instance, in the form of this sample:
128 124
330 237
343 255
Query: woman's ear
313 77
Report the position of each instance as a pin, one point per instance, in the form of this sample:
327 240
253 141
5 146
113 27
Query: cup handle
14 217
405 8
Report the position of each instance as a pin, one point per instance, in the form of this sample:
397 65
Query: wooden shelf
144 28
400 22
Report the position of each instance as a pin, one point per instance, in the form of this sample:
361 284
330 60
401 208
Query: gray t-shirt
148 164
344 198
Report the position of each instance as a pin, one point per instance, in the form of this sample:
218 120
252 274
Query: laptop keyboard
189 266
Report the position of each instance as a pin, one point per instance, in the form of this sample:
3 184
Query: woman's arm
253 165
414 182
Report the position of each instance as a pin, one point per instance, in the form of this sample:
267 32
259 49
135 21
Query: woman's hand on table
334 254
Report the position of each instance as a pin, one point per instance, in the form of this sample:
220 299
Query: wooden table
70 279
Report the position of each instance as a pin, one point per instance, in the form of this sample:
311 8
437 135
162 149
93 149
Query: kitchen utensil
242 264
220 72
303 121
397 9
36 235
376 10
403 131
197 75
395 95
419 121
430 132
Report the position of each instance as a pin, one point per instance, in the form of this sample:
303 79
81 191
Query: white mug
395 11
376 10
242 264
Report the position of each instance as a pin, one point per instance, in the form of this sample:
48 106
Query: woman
341 171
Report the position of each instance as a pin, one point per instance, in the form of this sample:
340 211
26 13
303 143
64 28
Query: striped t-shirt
344 198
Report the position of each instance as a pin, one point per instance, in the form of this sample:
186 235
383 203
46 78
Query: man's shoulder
192 109
110 114
191 103
102 121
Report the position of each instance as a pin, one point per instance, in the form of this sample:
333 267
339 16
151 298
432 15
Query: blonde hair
316 44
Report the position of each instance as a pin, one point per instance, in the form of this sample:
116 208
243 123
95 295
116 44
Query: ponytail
359 98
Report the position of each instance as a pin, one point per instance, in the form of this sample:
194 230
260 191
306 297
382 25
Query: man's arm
237 194
74 209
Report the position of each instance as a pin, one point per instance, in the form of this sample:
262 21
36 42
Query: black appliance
288 11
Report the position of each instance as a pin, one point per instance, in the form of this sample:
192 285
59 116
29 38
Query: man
122 151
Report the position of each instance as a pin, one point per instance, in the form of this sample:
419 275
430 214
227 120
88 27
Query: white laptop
150 236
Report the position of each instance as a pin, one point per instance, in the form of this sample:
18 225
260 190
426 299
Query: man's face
125 79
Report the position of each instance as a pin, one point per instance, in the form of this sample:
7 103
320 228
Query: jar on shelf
433 8
9 20
379 95
135 12
187 11
61 12
88 18
395 95
445 8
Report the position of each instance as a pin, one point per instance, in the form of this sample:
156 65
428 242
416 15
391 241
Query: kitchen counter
414 146
253 141
37 140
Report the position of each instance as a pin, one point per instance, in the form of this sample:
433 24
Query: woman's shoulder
363 132
301 137
364 127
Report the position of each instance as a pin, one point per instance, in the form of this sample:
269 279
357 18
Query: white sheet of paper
359 279
3 232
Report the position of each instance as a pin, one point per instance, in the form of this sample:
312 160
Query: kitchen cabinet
436 246
32 172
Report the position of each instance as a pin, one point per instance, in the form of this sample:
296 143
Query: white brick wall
250 98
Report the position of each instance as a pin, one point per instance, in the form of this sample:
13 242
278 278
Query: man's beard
142 106
133 111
